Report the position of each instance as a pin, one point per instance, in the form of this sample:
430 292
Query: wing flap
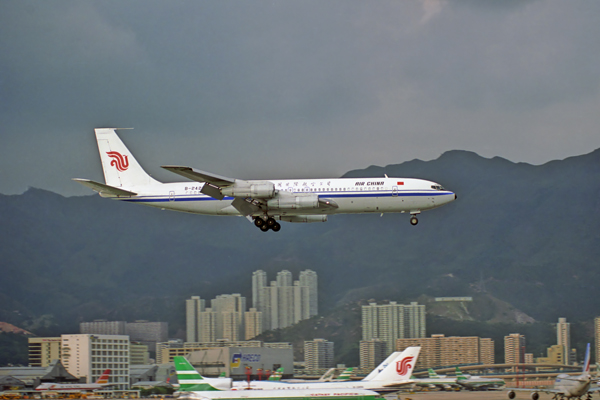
200 176
104 189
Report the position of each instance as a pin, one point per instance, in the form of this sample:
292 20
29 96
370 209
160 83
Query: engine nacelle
259 190
535 396
304 218
294 202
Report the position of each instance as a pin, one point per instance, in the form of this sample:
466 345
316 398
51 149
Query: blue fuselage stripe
182 198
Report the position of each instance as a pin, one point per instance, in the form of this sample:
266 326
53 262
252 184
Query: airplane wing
399 383
102 188
213 181
200 176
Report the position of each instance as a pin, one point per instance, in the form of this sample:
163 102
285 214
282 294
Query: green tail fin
189 379
345 375
276 376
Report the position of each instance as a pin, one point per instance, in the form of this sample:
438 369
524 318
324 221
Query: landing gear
265 225
414 220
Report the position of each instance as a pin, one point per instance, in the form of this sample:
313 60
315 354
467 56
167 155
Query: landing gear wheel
258 221
264 227
414 220
271 222
276 227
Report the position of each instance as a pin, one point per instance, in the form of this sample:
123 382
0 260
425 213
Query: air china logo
118 161
403 365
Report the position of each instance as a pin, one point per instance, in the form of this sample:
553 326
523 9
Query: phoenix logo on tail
119 161
403 365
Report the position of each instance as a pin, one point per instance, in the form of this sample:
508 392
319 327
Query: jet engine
258 190
535 396
304 218
294 202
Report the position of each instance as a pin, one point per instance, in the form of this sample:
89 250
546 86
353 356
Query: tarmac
462 395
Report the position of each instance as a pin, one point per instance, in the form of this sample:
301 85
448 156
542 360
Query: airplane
392 376
566 386
260 201
478 382
436 381
194 386
102 382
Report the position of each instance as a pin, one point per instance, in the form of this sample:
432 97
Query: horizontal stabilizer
104 189
200 176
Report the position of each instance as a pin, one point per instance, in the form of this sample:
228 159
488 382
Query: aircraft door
171 196
394 190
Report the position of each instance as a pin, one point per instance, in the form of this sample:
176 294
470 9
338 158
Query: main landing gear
414 220
265 225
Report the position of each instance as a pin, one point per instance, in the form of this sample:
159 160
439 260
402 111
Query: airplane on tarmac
261 201
437 381
394 374
566 386
102 382
193 386
478 382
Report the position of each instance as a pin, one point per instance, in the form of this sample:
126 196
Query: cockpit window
437 187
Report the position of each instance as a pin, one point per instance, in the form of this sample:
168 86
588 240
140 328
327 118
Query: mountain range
525 235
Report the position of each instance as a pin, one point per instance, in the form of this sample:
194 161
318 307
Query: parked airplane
261 201
194 386
566 386
394 375
478 382
102 382
436 381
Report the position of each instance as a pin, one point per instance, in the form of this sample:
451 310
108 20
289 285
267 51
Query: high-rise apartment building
229 309
148 333
372 353
308 278
42 350
318 354
193 307
563 338
284 301
389 322
103 327
514 348
224 319
439 350
89 355
253 323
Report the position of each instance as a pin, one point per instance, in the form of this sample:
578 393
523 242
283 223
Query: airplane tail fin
401 368
189 379
276 376
345 375
381 366
121 169
432 373
103 380
586 362
459 374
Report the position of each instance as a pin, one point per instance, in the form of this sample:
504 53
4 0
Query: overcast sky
275 89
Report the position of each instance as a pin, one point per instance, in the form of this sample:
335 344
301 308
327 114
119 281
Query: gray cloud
298 88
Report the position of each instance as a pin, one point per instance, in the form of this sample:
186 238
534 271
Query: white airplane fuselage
351 195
